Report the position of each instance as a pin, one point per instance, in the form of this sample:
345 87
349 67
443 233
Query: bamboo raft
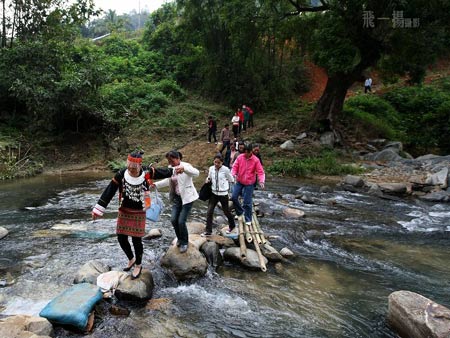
251 234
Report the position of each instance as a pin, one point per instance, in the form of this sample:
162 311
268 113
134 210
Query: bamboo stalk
242 246
260 255
255 232
258 229
248 235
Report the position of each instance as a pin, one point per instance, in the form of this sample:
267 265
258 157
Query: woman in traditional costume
134 185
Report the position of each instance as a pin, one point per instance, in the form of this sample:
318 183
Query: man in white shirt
368 85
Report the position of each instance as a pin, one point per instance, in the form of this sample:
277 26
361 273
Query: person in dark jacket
134 185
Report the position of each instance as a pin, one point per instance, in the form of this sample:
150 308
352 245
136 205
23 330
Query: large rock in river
25 326
3 232
140 288
89 272
414 316
188 265
252 260
212 253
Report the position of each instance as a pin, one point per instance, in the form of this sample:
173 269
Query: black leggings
126 247
214 199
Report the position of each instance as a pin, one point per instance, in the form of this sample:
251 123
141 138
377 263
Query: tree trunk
331 102
4 24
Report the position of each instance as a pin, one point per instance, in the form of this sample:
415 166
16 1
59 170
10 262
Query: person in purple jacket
245 169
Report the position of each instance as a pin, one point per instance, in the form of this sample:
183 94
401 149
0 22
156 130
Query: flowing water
351 250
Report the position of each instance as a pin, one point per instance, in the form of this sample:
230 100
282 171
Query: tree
239 50
45 80
26 20
349 36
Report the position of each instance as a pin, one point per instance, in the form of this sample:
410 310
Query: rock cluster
425 177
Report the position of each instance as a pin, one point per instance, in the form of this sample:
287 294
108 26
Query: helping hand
95 216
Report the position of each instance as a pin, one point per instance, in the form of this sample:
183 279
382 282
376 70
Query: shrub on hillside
375 116
425 117
120 100
170 88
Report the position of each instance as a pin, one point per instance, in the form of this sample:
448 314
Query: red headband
134 162
137 160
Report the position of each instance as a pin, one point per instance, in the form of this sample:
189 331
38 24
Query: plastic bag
154 212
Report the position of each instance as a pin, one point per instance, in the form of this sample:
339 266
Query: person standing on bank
250 121
241 120
133 184
220 178
235 123
245 169
368 85
212 129
225 137
182 195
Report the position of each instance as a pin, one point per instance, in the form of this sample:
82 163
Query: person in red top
241 119
245 169
250 120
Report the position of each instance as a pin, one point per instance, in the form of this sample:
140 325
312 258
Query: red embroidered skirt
131 222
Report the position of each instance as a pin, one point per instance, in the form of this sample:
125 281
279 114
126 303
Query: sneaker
209 142
206 234
229 231
248 223
183 248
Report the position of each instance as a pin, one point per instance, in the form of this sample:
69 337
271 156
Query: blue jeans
247 194
178 219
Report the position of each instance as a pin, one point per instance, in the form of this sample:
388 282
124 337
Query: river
351 252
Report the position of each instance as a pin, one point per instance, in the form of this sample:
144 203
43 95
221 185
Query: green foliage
344 55
324 164
375 116
117 46
169 88
171 119
425 117
152 64
232 51
116 165
136 98
52 84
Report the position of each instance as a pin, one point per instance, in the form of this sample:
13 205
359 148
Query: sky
126 6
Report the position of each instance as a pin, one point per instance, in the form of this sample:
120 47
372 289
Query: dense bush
135 98
375 116
51 86
425 118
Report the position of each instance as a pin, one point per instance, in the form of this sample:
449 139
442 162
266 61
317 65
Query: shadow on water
351 252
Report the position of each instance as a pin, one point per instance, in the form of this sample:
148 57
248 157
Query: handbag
154 212
205 192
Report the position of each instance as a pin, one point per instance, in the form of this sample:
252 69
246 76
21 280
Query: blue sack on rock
154 212
73 306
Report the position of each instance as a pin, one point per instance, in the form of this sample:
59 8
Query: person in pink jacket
245 169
